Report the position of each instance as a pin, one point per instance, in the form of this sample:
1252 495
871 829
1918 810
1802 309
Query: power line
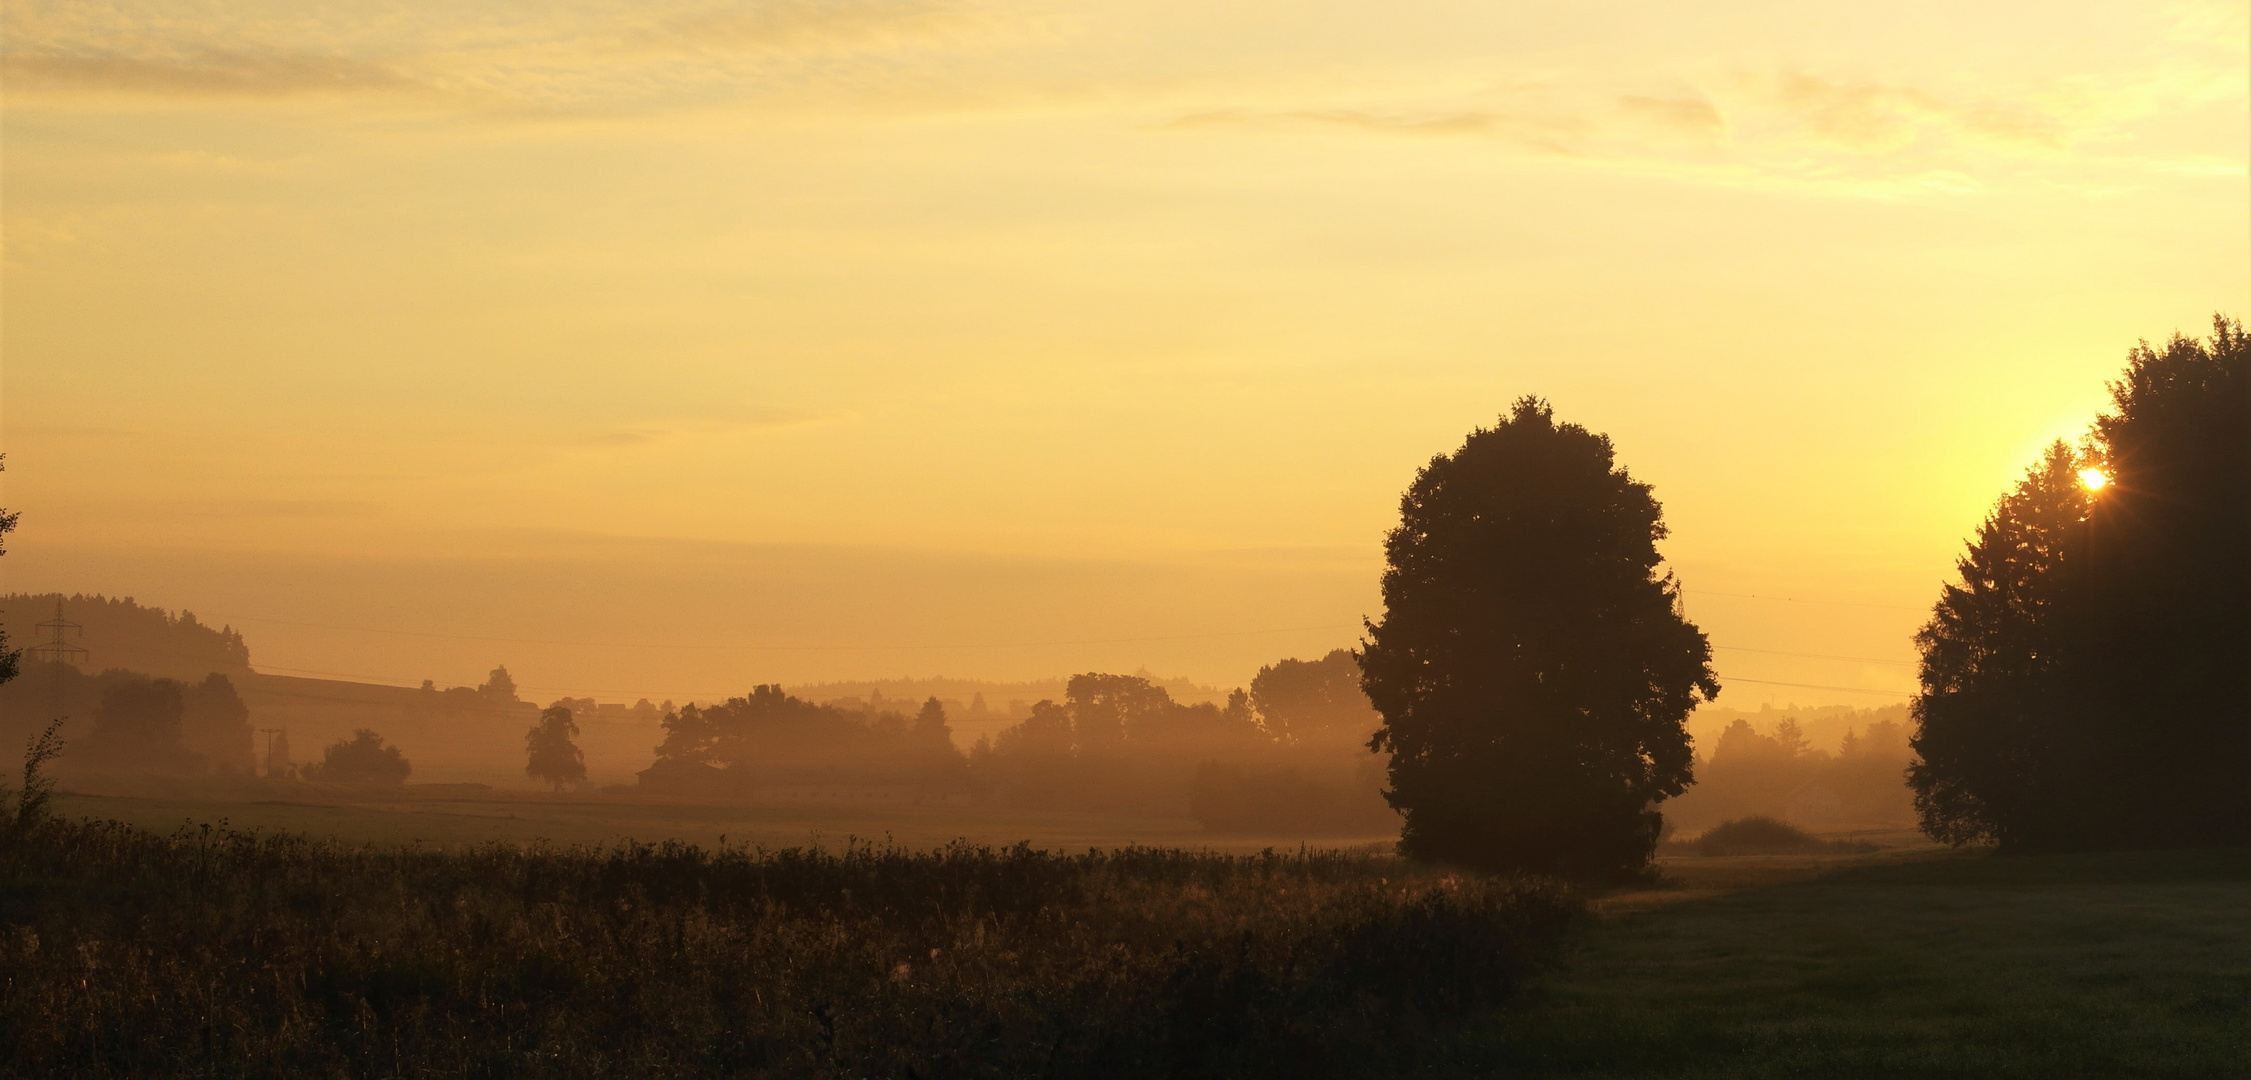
388 683
1812 686
1816 656
1806 600
406 684
897 647
723 695
743 647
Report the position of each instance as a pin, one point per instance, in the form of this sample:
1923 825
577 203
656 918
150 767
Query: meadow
1918 962
210 951
448 815
444 933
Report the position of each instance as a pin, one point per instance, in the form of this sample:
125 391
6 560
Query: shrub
221 953
361 759
1766 836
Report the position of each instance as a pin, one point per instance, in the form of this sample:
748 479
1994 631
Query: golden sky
1003 339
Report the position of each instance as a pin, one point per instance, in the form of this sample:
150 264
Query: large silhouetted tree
2169 604
1532 669
549 749
1995 758
2086 684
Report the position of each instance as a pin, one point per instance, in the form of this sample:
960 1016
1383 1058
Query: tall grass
210 952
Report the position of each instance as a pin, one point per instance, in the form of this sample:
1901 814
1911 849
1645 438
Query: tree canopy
1991 743
362 759
1115 742
772 737
2085 682
1314 700
1532 669
549 750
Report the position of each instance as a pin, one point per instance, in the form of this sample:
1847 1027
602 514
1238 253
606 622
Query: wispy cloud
1788 130
1688 115
1121 64
198 71
747 420
804 23
565 55
1550 133
1456 123
1873 117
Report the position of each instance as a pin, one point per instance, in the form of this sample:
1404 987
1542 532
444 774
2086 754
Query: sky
665 348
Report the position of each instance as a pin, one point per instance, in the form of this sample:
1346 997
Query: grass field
1913 960
124 953
1918 963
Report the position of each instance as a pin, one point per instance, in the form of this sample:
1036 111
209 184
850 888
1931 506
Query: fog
162 702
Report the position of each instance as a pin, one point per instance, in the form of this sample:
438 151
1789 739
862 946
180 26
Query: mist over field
975 539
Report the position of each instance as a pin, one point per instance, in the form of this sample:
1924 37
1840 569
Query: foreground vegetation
452 816
210 952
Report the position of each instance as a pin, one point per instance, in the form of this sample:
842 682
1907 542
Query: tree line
1779 773
2087 681
1526 688
1287 754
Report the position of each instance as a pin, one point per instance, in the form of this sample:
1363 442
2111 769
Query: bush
361 759
220 953
1766 836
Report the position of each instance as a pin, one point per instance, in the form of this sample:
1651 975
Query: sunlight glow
2093 479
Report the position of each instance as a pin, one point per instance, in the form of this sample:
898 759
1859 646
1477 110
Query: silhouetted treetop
2085 682
550 750
773 736
499 686
124 634
1531 668
1314 699
362 759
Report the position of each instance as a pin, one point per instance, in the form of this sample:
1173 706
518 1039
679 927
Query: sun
2093 479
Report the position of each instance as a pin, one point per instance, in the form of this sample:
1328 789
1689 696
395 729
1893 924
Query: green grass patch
1959 965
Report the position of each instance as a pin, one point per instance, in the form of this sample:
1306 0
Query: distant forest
977 707
1840 768
163 698
164 694
122 633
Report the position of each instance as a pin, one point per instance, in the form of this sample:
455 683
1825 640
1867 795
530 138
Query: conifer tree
2085 684
1995 761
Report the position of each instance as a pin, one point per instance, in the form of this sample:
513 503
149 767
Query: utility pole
269 733
57 650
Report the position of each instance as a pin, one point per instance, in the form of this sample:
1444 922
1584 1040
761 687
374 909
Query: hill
120 632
